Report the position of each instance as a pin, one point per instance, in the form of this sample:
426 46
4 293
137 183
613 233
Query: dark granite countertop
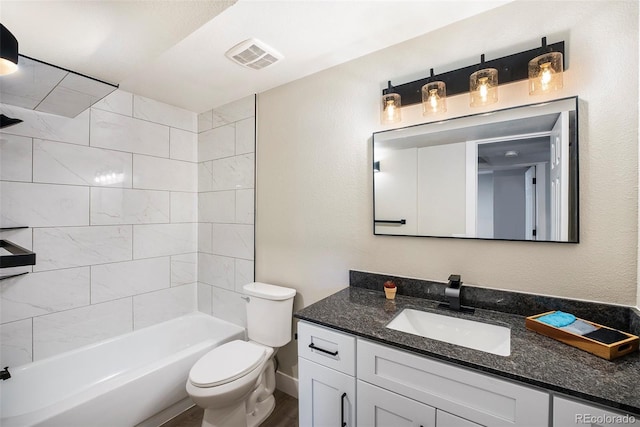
535 359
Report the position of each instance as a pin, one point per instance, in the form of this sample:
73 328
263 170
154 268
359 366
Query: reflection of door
441 190
395 188
530 204
559 176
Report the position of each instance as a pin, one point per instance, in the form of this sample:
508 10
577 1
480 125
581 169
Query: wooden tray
606 351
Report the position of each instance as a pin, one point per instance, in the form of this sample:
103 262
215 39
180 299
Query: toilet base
262 411
231 416
235 416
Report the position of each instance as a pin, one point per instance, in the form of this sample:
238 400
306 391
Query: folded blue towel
557 319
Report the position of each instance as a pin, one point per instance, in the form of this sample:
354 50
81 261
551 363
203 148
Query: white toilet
234 383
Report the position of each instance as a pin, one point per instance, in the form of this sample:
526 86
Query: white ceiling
173 50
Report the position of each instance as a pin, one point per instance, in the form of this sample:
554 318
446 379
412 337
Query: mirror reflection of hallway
509 175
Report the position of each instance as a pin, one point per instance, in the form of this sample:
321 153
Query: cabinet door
327 398
477 397
377 407
567 413
445 419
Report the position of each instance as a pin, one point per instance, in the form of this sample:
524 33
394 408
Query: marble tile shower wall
226 176
111 199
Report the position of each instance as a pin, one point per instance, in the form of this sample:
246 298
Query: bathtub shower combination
136 378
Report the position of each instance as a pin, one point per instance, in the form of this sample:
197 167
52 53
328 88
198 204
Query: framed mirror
510 174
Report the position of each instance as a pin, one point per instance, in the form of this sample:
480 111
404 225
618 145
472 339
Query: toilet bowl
224 379
234 383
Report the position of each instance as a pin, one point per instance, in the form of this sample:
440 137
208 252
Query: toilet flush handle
247 299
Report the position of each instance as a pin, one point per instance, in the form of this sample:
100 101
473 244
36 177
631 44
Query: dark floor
285 414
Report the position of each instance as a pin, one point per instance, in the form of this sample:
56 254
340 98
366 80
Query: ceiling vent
253 54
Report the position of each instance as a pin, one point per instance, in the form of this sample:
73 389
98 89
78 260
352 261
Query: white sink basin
466 333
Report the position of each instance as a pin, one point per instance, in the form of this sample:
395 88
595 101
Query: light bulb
484 90
433 99
391 110
546 74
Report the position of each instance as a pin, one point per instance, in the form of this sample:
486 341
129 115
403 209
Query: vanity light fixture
479 82
434 97
483 86
545 71
8 52
390 106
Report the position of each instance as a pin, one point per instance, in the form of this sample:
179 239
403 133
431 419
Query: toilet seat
226 363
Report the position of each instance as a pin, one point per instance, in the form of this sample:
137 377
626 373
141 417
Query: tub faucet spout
4 374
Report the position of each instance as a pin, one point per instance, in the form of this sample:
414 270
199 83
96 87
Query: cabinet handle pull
332 353
344 423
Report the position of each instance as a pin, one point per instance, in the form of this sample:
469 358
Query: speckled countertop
535 359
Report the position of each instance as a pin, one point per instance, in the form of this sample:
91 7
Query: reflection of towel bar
390 221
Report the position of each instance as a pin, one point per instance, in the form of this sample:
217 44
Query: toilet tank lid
266 291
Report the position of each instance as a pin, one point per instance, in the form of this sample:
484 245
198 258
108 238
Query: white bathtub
119 382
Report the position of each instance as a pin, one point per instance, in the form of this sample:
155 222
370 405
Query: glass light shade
390 108
7 67
483 87
434 98
545 73
8 51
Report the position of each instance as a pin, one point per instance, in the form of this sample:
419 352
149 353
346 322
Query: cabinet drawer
567 413
327 347
476 397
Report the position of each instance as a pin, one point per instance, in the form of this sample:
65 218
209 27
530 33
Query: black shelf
19 256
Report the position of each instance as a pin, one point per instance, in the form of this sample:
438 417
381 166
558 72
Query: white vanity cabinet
344 381
326 377
567 413
454 392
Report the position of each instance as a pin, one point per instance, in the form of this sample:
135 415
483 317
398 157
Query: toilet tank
269 313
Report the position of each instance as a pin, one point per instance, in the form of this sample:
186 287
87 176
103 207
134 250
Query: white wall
226 171
110 257
314 201
442 201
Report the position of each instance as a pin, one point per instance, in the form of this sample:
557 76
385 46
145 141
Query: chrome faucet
452 292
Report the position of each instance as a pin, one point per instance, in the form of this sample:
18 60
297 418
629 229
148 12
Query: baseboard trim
287 384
